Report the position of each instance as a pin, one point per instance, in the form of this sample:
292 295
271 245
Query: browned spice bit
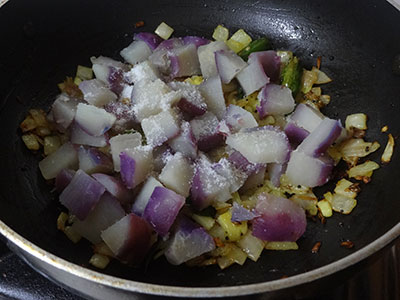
364 179
218 242
284 276
355 187
347 244
311 217
316 247
139 24
319 59
321 217
69 87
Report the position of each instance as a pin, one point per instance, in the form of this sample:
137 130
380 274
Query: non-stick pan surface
43 41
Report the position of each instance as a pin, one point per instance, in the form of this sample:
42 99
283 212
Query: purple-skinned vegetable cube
318 141
184 62
211 89
189 241
275 100
63 178
308 171
129 239
192 101
144 195
207 58
162 209
81 195
205 131
280 220
114 186
96 92
136 164
268 144
185 142
229 64
104 214
196 40
94 120
151 39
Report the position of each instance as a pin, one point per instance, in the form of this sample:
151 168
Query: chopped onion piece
343 187
234 230
363 170
387 154
281 246
99 261
251 245
341 203
239 40
358 121
307 81
354 148
164 31
204 221
321 76
325 208
307 201
221 33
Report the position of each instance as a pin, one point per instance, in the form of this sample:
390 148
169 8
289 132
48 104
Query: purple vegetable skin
81 195
189 241
280 220
162 209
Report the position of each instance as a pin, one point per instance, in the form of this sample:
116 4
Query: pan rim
180 291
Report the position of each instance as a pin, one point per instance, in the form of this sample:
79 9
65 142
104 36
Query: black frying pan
43 41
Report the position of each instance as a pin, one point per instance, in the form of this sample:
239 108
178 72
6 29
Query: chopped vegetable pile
203 151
